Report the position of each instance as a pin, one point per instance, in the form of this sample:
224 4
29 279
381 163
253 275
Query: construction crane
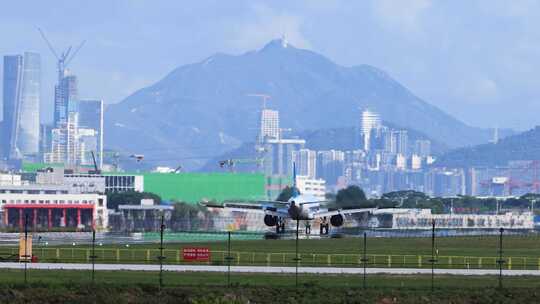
115 156
264 98
65 58
231 163
96 169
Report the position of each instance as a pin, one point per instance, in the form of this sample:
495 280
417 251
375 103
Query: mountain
344 138
523 146
203 109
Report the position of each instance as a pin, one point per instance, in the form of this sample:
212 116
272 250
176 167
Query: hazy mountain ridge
522 146
202 109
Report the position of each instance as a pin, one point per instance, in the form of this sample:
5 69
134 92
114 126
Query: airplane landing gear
308 228
280 226
324 227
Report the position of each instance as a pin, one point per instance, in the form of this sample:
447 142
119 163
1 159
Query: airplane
300 207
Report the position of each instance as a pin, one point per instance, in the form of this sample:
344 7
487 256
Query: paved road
264 269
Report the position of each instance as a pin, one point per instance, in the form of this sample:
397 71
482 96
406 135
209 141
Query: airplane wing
343 212
270 209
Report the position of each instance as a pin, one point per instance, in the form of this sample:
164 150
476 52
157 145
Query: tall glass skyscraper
91 117
65 99
22 85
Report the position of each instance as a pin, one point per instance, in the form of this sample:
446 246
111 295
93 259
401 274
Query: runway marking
265 269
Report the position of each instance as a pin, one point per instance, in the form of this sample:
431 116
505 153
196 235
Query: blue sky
475 59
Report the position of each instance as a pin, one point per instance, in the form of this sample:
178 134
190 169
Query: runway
265 269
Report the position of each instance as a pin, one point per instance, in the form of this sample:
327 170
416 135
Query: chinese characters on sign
196 254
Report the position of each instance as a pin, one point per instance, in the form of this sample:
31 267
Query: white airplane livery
302 207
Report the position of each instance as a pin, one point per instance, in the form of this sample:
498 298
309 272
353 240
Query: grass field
137 287
454 252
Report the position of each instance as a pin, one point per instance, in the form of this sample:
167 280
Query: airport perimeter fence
364 259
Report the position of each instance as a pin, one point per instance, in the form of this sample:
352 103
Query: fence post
297 258
501 261
161 257
93 256
25 247
229 258
364 260
433 260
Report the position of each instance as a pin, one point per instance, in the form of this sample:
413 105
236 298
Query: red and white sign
196 254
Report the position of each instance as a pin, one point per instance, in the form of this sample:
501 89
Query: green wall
194 187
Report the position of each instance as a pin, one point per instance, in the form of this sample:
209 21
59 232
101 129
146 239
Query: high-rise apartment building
330 165
369 121
91 118
422 147
269 125
306 163
22 82
399 142
278 158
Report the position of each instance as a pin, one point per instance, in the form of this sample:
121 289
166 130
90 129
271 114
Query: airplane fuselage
303 207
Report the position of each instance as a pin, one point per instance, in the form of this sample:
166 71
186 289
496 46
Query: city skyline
392 37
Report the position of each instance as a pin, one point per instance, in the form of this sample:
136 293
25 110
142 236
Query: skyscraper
91 117
368 122
22 81
65 96
269 126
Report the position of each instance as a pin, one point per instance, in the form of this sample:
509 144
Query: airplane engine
336 220
270 220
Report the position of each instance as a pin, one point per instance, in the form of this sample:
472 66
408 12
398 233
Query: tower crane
115 156
65 58
231 163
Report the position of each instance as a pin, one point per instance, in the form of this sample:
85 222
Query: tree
130 198
285 194
403 196
352 197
